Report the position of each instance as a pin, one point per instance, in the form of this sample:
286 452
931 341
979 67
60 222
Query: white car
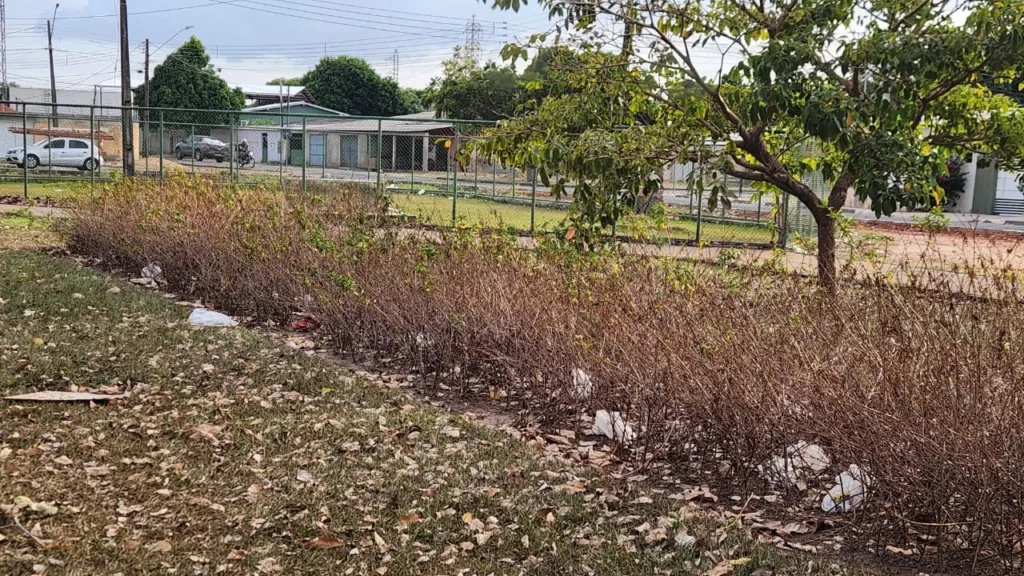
69 152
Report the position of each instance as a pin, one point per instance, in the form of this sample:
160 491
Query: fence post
192 151
784 229
231 148
700 211
49 151
533 202
24 147
92 150
455 174
305 150
494 178
161 148
380 140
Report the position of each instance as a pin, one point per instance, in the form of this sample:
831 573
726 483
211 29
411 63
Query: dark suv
201 148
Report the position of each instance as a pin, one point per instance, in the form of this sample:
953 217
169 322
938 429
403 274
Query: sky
253 41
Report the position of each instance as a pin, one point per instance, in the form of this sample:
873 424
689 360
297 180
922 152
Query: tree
188 81
469 92
351 86
415 100
282 81
874 95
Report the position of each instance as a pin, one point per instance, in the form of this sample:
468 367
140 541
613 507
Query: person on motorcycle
245 157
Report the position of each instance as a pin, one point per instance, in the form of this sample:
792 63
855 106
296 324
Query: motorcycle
245 158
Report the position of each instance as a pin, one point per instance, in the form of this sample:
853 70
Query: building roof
427 115
287 105
5 109
394 125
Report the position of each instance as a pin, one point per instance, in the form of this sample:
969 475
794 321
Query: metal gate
316 149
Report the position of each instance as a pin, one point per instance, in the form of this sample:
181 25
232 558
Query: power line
141 13
389 12
321 16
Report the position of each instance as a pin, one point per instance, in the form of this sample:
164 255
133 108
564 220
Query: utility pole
5 92
127 136
146 89
50 25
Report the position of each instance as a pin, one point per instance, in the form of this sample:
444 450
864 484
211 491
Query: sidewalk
1008 223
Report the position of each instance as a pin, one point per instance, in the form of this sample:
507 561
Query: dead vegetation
715 370
235 455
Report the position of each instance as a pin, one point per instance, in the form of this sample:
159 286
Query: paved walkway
38 211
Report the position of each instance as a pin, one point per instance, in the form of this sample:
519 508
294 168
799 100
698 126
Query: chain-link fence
424 165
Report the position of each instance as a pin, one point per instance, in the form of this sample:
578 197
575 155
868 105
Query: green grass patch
236 454
61 190
437 210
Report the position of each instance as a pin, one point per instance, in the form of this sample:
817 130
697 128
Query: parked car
69 152
201 148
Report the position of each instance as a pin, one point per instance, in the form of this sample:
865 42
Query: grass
434 209
68 190
236 454
20 229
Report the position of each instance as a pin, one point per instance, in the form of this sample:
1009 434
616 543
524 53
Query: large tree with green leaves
351 86
186 80
471 92
875 95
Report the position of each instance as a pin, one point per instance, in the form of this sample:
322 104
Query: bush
923 390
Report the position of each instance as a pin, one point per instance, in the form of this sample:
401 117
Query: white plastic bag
209 319
613 426
848 493
799 462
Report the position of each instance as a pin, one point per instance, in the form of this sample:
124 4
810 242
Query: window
54 145
78 145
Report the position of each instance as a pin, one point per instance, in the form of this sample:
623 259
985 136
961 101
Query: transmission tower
4 93
474 34
394 66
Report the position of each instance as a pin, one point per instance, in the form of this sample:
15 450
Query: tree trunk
826 250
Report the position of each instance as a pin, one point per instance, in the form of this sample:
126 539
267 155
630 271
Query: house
266 129
409 142
263 95
990 190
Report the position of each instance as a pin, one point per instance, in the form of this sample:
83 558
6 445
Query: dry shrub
923 389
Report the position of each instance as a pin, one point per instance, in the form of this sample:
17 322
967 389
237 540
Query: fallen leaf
62 460
160 546
656 535
207 432
268 565
382 545
408 520
721 569
325 542
102 470
304 476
